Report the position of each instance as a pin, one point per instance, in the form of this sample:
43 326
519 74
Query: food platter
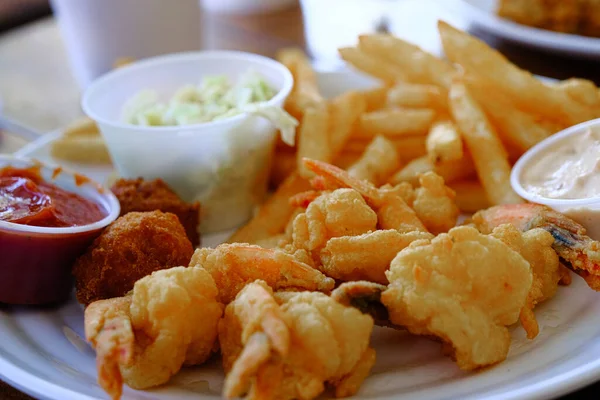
44 354
483 15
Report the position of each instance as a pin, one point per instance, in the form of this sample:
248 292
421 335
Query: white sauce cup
223 164
584 211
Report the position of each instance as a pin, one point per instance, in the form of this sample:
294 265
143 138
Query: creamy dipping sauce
570 169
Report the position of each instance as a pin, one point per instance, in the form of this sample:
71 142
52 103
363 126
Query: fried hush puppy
169 320
133 246
141 195
290 345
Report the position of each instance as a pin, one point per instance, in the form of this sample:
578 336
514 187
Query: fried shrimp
169 320
462 287
232 266
536 247
434 204
292 350
388 202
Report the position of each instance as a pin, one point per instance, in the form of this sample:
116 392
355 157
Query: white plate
483 15
42 351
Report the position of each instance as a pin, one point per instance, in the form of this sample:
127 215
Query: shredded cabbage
215 98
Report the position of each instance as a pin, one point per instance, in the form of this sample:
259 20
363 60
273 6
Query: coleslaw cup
36 261
224 164
584 211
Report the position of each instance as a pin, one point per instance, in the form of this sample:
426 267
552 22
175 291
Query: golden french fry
306 90
488 154
517 129
410 172
379 161
375 98
451 171
444 143
418 65
274 214
418 96
83 125
81 142
395 122
470 196
527 92
372 64
408 147
344 111
345 160
581 90
284 163
313 138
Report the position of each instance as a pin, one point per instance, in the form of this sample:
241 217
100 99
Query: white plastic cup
584 211
223 164
98 33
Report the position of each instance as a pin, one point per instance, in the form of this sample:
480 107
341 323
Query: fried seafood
133 246
342 212
434 204
169 320
291 349
388 202
579 252
462 287
536 247
365 257
233 266
141 195
366 297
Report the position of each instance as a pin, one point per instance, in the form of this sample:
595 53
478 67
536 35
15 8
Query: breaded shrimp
434 204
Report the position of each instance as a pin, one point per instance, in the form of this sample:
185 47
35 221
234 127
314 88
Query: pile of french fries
467 118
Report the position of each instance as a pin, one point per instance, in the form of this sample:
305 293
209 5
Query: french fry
488 154
345 160
379 161
372 64
83 125
517 129
408 147
375 98
581 90
527 92
81 142
451 171
418 96
344 111
470 196
420 66
274 214
284 163
313 138
395 122
444 143
306 90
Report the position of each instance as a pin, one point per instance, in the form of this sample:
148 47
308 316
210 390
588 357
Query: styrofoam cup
223 164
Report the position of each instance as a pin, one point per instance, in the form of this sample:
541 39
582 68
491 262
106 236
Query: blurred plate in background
483 15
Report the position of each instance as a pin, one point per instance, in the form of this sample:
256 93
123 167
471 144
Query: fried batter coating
536 247
342 212
365 257
141 195
133 246
170 319
234 265
434 204
291 351
462 287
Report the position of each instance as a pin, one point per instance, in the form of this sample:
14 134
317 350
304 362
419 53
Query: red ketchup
35 267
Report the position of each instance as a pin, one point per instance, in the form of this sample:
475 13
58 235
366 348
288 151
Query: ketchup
25 198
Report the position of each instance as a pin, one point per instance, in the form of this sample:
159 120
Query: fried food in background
464 288
289 345
81 143
169 320
141 195
579 17
133 246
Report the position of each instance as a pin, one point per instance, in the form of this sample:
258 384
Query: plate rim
535 37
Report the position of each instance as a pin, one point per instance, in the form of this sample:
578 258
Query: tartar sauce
570 169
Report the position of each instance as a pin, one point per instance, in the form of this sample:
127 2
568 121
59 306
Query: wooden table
37 88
